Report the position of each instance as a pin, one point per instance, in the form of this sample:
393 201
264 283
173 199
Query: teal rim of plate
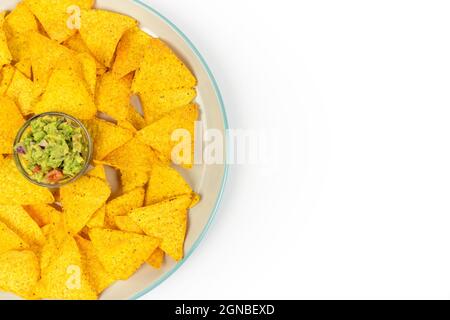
225 174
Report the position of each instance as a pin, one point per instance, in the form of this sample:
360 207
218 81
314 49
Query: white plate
207 180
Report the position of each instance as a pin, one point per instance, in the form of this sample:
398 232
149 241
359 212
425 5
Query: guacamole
52 149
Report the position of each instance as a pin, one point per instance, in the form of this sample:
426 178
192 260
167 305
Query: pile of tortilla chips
75 242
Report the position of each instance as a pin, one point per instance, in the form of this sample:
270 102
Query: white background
352 200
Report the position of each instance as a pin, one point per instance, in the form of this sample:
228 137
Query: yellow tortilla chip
166 220
156 260
54 15
195 200
5 54
77 44
67 92
156 104
63 275
135 118
20 222
124 223
113 96
159 134
107 137
81 199
122 205
165 183
162 70
98 171
98 218
24 66
20 20
43 214
19 46
6 75
122 253
126 125
96 273
10 122
89 68
19 273
9 240
101 31
131 51
17 190
23 91
133 178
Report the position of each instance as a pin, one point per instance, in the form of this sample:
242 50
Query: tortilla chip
9 240
113 96
10 122
99 172
77 44
126 125
16 190
156 260
162 70
166 220
23 91
156 104
131 51
122 205
124 223
6 75
43 214
5 54
24 66
19 46
20 222
122 253
107 137
98 218
159 134
89 67
195 200
135 118
19 272
81 199
133 178
63 275
101 31
20 20
96 273
54 15
165 183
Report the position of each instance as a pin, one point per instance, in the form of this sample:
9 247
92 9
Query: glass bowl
73 122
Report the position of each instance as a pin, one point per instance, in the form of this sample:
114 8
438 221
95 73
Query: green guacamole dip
53 149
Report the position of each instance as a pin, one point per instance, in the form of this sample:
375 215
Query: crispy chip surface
101 31
5 54
20 20
42 214
98 218
9 240
123 205
156 260
166 220
125 223
113 95
23 91
6 75
24 66
122 253
10 122
133 178
89 68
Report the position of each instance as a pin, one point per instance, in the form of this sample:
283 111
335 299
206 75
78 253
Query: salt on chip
42 214
122 253
9 240
23 91
20 222
156 104
156 260
5 54
20 20
96 274
89 67
101 30
63 274
98 218
125 223
55 15
11 121
67 92
81 199
19 272
161 70
16 190
166 220
159 135
122 205
107 137
131 51
113 95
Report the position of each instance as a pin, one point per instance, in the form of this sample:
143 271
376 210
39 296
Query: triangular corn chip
89 68
125 223
122 253
19 273
107 137
23 91
81 199
20 20
133 178
135 118
98 171
24 66
10 122
17 190
5 54
98 218
10 240
122 205
77 44
42 214
6 75
101 31
165 220
55 15
156 260
113 96
159 135
131 51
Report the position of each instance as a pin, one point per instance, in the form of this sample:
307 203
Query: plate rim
226 164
